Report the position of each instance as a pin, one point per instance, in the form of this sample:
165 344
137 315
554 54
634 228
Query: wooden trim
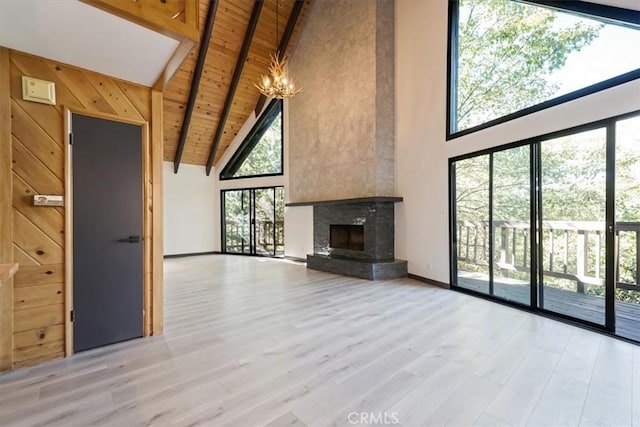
108 116
173 65
147 263
68 235
195 82
237 73
147 238
6 200
192 13
429 281
6 212
157 151
136 13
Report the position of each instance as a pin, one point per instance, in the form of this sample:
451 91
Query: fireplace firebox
349 237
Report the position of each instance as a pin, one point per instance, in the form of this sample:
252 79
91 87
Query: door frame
68 215
252 215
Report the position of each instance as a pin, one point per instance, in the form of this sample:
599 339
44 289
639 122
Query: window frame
252 139
252 232
620 16
609 327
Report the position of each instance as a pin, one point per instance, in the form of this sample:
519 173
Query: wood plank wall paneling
32 156
6 247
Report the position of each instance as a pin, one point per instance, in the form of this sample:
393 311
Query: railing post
581 258
598 248
637 257
466 256
504 245
525 238
565 257
513 246
475 245
552 246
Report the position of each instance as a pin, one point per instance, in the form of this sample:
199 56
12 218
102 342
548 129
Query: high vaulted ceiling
229 28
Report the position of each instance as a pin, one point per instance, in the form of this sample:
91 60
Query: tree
506 51
266 155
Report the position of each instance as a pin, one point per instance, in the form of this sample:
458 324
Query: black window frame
263 123
620 16
609 327
252 224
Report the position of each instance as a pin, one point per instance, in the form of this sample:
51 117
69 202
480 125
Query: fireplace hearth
355 237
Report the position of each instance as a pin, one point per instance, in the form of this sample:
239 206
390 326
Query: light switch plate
48 200
37 90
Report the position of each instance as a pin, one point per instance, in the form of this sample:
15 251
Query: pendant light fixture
277 84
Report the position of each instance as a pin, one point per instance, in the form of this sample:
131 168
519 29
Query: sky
615 51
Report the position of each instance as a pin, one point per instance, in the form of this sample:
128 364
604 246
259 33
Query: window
568 245
253 221
260 154
509 58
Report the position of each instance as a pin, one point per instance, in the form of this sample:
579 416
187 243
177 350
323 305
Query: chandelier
276 84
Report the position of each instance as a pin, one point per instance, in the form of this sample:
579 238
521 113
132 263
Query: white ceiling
75 33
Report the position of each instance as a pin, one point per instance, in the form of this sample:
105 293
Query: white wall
422 153
189 210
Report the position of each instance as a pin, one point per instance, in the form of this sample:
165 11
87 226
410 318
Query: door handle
130 239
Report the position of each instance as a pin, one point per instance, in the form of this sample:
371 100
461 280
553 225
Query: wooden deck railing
572 250
265 236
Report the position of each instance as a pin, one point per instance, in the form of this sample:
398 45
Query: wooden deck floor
260 342
582 306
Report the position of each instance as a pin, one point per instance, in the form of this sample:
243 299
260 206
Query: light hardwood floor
253 341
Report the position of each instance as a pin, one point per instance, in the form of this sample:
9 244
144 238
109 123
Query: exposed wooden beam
242 58
195 82
152 15
284 44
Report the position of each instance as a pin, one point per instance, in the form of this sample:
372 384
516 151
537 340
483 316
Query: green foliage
266 156
506 51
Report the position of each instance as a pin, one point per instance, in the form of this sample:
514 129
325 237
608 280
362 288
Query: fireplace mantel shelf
373 199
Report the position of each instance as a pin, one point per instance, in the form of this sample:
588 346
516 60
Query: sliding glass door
553 224
627 239
237 208
573 187
253 221
511 224
493 216
472 214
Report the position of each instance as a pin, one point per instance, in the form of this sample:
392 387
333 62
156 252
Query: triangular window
260 154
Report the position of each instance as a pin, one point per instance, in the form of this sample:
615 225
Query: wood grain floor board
252 342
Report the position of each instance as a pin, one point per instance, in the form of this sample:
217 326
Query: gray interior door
107 231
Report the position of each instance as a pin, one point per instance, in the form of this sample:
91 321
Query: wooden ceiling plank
193 93
284 44
242 58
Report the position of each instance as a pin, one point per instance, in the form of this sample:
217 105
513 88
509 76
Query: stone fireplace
355 237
